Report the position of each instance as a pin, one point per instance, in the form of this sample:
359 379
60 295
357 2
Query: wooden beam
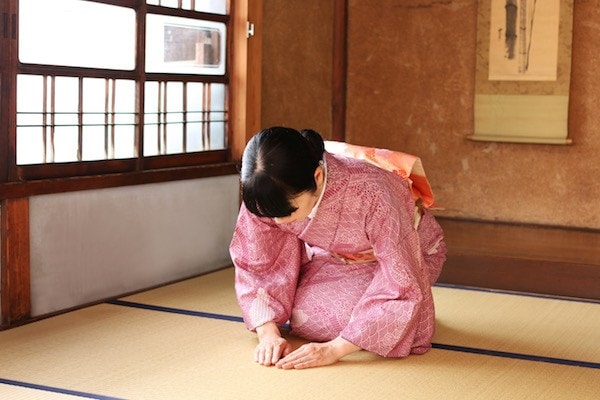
338 79
15 190
8 84
254 69
246 74
15 288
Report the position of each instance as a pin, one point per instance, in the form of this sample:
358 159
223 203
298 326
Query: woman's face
304 204
305 201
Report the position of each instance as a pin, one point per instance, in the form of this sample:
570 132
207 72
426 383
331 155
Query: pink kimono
361 268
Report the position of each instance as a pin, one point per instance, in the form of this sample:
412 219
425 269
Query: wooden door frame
339 70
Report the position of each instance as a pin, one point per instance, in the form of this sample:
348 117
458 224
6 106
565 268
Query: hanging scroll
523 71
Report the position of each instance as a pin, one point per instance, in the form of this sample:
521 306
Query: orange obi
407 166
362 257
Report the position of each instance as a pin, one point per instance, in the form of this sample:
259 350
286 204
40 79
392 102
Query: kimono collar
323 164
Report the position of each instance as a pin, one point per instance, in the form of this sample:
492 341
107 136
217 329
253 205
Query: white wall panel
90 245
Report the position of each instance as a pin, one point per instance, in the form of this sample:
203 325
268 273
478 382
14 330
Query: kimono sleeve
267 262
388 316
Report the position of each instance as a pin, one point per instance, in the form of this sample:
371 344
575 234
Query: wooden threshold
533 259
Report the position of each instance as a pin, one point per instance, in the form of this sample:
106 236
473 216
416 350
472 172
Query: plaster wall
91 245
296 64
411 82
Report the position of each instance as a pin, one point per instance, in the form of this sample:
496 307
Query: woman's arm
267 263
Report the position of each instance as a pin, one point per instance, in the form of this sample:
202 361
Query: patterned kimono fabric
361 268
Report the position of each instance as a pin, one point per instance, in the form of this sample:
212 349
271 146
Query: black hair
278 164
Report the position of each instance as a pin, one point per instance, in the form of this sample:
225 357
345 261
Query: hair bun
315 140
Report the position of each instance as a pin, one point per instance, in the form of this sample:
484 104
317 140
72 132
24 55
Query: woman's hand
271 346
317 354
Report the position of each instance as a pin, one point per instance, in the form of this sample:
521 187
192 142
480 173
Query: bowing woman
334 246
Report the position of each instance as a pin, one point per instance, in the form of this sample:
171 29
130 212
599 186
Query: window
106 86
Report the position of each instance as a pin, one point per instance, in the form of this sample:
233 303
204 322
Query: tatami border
57 390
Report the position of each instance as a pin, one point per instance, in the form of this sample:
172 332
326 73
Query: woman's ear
319 175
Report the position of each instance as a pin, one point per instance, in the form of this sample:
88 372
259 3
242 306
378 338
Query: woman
334 246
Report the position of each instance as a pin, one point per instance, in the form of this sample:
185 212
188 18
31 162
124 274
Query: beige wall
411 77
297 54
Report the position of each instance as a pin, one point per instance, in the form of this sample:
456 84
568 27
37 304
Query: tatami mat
470 318
521 324
116 351
213 293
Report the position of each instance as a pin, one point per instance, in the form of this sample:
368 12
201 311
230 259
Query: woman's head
279 165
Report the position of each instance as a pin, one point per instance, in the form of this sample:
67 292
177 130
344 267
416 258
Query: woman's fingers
269 352
275 354
309 355
263 354
293 358
286 351
267 356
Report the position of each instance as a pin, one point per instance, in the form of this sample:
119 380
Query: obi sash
407 166
362 257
